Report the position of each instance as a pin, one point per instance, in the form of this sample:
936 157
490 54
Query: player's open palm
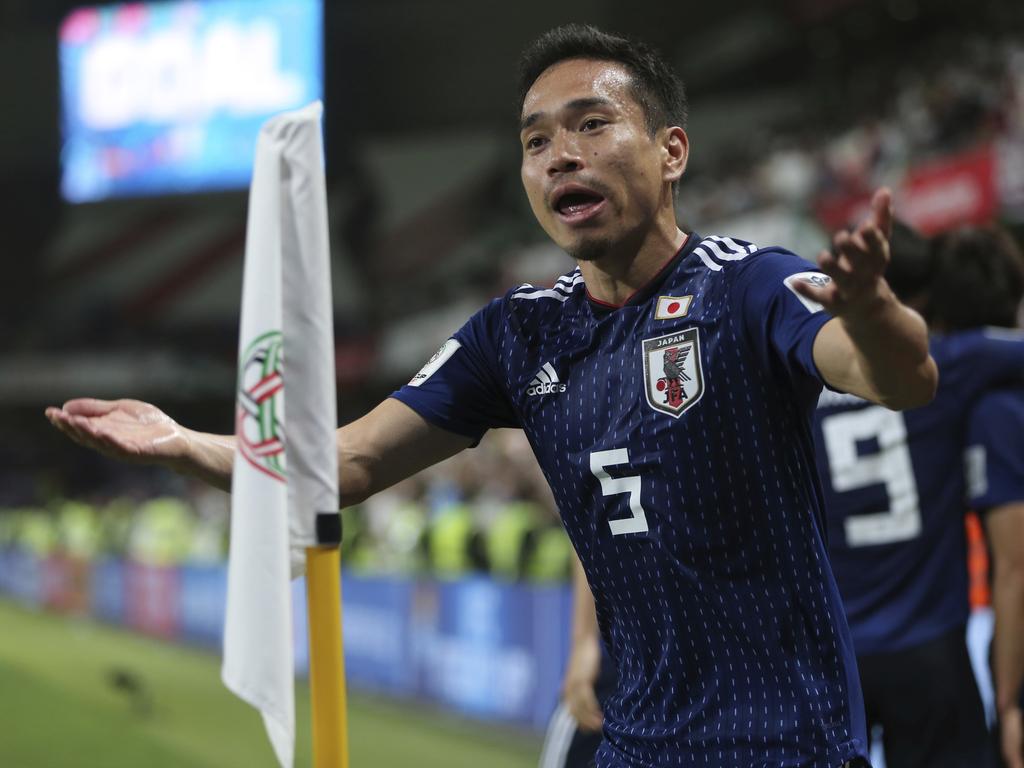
124 429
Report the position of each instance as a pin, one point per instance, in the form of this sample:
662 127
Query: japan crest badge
673 380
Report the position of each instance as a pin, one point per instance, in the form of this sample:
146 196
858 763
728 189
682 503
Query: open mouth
578 205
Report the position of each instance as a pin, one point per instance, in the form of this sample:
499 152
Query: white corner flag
286 466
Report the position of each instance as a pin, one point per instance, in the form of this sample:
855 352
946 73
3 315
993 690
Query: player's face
591 170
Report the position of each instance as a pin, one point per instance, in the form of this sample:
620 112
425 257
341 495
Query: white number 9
890 466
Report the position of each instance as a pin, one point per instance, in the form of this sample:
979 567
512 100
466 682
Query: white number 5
889 466
611 486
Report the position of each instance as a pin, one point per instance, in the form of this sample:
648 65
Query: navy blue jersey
995 450
675 433
895 494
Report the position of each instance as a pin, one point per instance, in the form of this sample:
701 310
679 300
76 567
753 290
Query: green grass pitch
75 694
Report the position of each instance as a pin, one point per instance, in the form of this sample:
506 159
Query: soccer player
666 386
572 736
995 473
895 498
995 465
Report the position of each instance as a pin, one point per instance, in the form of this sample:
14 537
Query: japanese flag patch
670 307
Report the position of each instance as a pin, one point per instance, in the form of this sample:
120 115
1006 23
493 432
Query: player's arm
875 346
386 445
390 443
1004 526
584 662
131 430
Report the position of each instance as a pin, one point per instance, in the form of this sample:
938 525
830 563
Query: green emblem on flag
260 412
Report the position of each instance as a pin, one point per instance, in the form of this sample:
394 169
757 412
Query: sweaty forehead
579 79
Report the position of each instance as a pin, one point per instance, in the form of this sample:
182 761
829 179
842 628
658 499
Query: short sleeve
996 356
995 450
461 388
781 322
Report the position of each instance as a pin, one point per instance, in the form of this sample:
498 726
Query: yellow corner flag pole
326 658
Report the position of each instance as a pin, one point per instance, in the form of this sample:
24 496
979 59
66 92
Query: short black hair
910 269
655 86
977 279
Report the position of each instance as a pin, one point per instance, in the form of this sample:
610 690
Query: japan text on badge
673 380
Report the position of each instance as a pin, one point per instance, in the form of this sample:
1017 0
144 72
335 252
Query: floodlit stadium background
123 230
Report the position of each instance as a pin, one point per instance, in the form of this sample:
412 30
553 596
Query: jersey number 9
890 466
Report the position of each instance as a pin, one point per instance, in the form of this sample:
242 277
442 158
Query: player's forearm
584 611
209 458
385 446
1008 641
357 478
390 443
890 351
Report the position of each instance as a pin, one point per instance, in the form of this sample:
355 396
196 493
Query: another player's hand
1011 735
857 265
578 686
123 429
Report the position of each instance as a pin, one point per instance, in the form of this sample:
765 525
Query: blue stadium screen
169 97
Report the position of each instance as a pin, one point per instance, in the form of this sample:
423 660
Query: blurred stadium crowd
951 98
488 512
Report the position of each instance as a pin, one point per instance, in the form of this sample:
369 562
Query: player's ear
675 152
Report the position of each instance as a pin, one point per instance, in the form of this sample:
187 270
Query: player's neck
629 266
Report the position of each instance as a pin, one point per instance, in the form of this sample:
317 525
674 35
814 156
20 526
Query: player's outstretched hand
130 430
857 264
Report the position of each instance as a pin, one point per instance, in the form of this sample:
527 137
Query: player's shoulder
528 306
720 254
753 275
974 344
1001 405
564 288
739 259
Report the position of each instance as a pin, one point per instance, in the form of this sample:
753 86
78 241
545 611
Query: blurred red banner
932 197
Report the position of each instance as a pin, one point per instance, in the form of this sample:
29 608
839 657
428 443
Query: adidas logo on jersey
545 382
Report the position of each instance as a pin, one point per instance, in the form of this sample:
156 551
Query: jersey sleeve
996 356
782 323
461 388
995 450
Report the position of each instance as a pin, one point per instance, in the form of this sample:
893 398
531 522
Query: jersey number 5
611 486
890 465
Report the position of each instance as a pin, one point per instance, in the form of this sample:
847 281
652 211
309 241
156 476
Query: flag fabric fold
285 469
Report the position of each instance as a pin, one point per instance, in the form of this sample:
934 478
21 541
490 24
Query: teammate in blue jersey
666 386
895 497
995 472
